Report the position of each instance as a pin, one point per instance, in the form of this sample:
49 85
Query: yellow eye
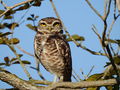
43 24
56 24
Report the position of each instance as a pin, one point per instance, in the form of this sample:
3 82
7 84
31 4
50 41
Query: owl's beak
49 28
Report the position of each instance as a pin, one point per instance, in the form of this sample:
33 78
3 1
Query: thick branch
83 84
16 82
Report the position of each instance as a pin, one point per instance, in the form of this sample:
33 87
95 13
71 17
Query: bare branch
16 82
83 84
18 4
78 77
94 9
118 4
3 4
21 63
105 24
24 51
90 71
111 26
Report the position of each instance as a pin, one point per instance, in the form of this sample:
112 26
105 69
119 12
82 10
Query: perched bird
52 49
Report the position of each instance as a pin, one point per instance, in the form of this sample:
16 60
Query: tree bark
20 84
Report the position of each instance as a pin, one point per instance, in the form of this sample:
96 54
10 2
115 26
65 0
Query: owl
52 49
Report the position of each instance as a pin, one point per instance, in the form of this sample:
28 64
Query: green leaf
116 60
14 41
111 41
32 15
76 37
2 26
3 40
32 27
95 88
5 34
8 17
36 17
13 59
24 7
11 25
1 11
24 61
20 55
95 77
2 64
10 12
36 3
29 18
109 88
118 41
7 60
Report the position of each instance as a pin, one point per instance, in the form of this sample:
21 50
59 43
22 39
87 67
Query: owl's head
50 25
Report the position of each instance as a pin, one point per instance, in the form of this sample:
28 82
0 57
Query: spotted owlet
52 49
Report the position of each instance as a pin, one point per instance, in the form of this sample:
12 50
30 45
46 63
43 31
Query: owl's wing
37 48
65 53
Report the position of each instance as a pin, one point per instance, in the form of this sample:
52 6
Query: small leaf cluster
8 61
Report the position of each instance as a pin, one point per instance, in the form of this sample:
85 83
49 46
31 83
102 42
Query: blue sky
78 18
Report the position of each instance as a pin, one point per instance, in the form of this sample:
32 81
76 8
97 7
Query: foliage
7 38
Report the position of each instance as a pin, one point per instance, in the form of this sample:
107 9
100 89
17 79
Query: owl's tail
67 75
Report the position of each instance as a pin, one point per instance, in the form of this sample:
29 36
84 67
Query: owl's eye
56 24
43 24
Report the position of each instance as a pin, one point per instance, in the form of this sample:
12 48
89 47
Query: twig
108 11
76 75
38 71
24 51
94 9
21 63
3 4
111 26
18 4
85 76
37 63
96 31
99 37
90 71
105 6
105 24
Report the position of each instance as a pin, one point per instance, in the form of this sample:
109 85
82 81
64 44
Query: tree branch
21 63
24 51
94 9
16 82
18 4
83 84
20 84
